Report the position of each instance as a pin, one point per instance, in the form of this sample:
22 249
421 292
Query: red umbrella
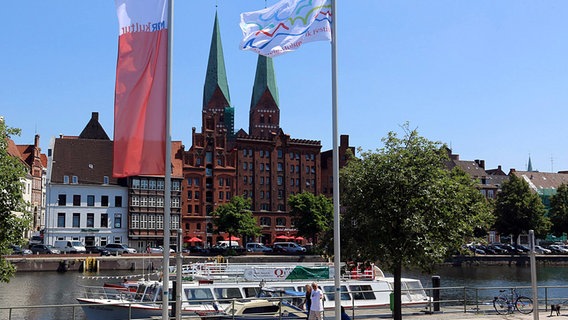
282 237
193 239
232 238
300 239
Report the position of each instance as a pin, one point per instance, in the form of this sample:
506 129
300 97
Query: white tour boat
360 290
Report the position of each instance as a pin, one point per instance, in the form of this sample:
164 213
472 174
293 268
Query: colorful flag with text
141 88
285 26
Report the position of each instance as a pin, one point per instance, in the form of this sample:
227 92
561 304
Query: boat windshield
227 293
146 293
198 295
330 293
362 292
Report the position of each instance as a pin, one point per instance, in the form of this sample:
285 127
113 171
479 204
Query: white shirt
317 300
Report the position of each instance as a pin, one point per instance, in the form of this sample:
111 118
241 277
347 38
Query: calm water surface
52 288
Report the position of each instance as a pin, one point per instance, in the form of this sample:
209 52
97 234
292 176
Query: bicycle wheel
524 304
501 305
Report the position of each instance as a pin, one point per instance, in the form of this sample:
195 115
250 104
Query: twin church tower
264 164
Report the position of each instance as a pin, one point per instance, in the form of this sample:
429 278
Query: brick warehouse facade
264 164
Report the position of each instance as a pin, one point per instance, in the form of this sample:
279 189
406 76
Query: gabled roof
216 86
470 167
541 181
93 129
264 81
88 159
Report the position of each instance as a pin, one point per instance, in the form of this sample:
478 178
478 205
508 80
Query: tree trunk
397 308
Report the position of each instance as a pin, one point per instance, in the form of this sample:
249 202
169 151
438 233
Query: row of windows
222 182
104 200
87 220
152 221
280 222
75 179
153 184
266 154
150 201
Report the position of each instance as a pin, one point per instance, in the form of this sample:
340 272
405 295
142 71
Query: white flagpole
335 164
168 170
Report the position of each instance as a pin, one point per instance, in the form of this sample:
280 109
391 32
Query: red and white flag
141 88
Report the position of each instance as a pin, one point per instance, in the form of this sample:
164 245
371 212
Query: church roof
264 80
216 85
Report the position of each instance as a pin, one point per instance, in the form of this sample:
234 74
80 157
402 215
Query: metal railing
452 299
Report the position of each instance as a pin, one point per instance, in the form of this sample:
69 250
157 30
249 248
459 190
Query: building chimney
95 116
480 163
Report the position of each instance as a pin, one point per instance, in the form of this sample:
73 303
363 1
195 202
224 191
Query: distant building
476 170
264 164
34 181
84 202
545 184
327 164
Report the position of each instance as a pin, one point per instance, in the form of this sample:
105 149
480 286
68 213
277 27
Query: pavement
457 315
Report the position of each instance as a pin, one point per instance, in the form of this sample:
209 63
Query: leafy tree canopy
236 218
313 218
519 210
12 225
559 210
404 208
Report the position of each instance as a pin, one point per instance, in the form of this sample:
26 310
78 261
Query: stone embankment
79 262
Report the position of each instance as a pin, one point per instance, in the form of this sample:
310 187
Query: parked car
195 249
19 250
542 250
257 247
97 249
35 240
288 247
66 246
44 249
555 248
159 249
497 248
119 248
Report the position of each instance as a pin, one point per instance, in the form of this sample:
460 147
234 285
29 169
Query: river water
52 288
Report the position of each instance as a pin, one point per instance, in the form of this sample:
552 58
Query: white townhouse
84 202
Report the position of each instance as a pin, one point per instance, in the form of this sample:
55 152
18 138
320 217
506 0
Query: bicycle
506 303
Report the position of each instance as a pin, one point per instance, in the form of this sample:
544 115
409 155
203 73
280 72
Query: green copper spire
529 166
265 80
216 76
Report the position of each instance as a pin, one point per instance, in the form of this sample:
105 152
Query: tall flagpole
335 164
168 171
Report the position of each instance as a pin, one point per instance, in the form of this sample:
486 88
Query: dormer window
105 180
75 180
66 179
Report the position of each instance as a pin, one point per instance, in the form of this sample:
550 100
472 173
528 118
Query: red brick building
264 164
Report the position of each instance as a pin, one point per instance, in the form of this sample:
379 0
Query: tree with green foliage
518 210
402 207
558 213
12 225
235 218
314 219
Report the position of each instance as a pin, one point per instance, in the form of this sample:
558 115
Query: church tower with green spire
217 110
264 118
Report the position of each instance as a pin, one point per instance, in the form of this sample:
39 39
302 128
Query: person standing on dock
308 301
316 308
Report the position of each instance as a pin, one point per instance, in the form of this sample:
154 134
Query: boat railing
108 293
453 300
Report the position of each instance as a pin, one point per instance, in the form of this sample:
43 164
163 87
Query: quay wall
74 262
519 260
70 262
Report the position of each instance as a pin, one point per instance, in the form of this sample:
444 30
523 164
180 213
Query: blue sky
489 78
